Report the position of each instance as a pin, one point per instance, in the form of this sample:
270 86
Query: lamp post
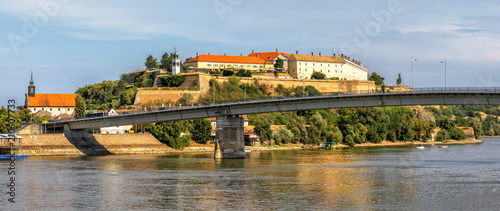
412 60
444 72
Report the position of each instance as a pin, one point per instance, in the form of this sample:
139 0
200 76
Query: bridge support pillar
229 138
84 141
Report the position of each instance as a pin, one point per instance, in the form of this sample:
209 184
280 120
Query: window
255 66
242 66
260 66
209 65
59 109
248 65
34 109
43 109
328 65
69 109
313 64
328 71
215 65
305 64
300 63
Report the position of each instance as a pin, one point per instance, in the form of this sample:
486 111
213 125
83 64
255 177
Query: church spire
31 87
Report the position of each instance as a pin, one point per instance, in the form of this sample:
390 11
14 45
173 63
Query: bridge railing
387 91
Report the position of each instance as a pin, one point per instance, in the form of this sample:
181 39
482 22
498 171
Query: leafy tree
278 65
318 75
151 62
399 80
25 115
172 81
127 97
80 106
170 133
244 73
281 90
262 125
379 80
201 130
166 61
186 99
283 136
227 73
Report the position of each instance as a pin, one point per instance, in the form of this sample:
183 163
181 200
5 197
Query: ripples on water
462 177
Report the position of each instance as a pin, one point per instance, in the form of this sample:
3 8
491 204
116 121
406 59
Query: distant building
222 62
49 104
302 66
273 57
115 129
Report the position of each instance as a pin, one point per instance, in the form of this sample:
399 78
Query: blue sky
69 44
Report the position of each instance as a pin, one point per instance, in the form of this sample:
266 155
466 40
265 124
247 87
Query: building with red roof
52 104
273 57
222 62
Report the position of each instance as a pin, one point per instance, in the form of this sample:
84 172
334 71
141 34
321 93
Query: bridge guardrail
334 94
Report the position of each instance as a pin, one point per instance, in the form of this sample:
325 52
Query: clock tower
176 64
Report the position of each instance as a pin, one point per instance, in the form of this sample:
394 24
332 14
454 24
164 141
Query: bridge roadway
422 96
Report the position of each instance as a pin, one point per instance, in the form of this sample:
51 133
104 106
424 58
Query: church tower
31 87
176 64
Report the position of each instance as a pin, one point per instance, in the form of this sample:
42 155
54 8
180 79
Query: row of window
305 70
321 65
59 109
241 66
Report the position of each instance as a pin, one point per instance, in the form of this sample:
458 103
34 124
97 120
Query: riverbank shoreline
144 144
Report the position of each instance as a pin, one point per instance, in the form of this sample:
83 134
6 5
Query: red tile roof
52 100
228 59
268 55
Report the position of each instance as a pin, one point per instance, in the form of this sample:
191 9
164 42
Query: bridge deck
428 96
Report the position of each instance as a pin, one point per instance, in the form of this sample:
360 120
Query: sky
70 44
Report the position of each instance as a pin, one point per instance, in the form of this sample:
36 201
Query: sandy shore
197 148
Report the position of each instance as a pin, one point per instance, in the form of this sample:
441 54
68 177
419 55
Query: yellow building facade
302 66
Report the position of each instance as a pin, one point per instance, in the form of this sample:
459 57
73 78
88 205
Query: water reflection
361 178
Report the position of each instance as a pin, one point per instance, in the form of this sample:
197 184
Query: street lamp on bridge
444 62
412 60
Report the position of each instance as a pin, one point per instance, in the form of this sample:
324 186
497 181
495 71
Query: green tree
170 133
166 62
244 73
80 109
201 130
25 115
278 65
172 80
151 62
262 125
399 80
379 80
186 99
227 73
318 75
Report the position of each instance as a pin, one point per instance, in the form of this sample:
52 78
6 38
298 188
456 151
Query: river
462 177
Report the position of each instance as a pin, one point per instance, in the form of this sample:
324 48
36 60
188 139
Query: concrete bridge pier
229 138
84 141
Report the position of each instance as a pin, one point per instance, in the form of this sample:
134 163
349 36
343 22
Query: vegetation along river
462 177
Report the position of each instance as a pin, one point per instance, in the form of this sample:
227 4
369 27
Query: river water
462 177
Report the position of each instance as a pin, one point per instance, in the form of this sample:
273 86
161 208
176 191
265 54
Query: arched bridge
421 96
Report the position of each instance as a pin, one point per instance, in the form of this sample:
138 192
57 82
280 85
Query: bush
227 73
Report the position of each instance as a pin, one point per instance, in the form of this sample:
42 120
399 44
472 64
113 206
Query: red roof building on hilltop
273 57
222 62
